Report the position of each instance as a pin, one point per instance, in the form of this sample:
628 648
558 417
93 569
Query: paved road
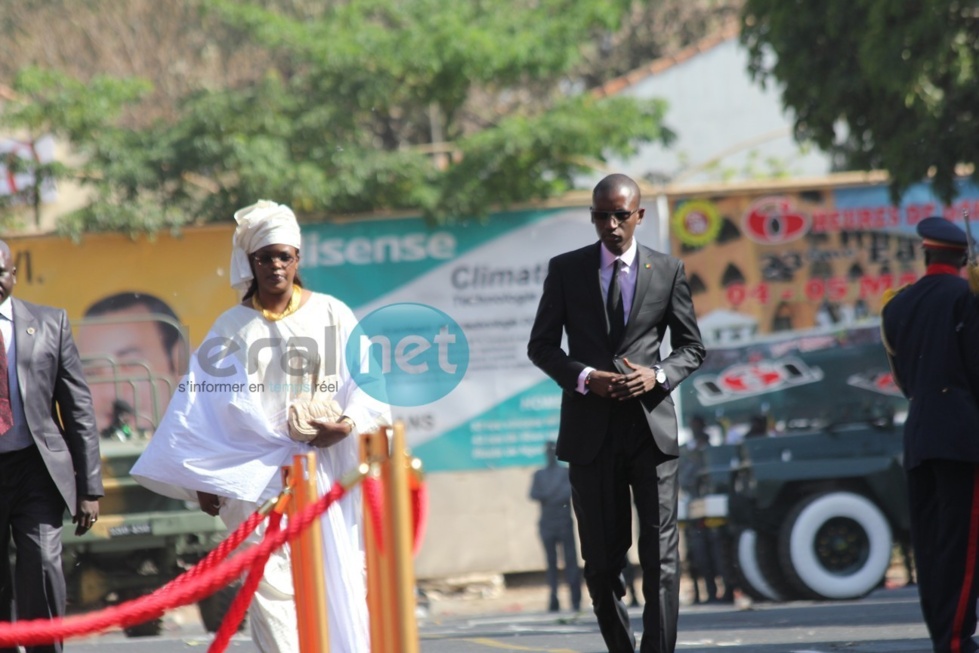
888 621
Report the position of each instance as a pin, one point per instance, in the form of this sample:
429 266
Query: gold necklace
297 293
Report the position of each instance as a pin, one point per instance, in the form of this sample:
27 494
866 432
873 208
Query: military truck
816 508
817 514
142 540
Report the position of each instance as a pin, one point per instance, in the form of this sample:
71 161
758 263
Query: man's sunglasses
620 216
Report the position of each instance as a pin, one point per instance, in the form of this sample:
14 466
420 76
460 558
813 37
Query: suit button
944 390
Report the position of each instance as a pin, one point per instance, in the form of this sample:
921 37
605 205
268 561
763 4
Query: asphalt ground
514 619
483 617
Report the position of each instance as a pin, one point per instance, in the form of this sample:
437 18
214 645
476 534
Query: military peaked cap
940 233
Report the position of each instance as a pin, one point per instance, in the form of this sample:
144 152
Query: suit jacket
931 329
573 303
51 383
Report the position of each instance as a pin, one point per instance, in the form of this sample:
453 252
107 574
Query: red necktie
6 414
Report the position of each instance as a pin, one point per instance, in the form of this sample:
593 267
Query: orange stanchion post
390 564
380 598
400 517
307 561
295 554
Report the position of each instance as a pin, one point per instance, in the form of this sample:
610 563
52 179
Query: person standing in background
552 489
700 562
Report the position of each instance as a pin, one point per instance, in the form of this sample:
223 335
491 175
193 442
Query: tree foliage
449 110
882 85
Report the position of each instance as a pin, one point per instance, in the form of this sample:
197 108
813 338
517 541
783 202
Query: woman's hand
329 433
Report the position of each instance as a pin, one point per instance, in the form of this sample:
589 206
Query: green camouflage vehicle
817 508
817 514
142 540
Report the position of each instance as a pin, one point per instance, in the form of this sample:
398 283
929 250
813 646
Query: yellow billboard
138 306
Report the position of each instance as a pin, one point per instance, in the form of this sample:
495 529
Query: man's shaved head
616 184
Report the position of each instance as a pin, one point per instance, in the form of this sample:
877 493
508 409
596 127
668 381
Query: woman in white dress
226 431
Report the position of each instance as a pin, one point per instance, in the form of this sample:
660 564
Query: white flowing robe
225 433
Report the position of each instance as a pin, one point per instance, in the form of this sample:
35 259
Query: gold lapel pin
648 266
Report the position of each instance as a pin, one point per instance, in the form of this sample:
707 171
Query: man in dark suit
931 332
49 451
614 300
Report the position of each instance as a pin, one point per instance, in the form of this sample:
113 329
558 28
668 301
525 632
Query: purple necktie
614 307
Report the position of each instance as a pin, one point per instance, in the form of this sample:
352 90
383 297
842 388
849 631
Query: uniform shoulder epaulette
891 293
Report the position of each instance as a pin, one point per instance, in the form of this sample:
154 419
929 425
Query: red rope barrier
419 514
217 554
244 597
151 606
374 498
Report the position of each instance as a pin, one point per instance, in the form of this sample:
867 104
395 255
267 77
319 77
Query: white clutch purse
304 410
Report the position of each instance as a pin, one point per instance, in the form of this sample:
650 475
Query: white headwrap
261 224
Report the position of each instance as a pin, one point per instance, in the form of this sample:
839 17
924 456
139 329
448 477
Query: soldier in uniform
931 332
551 487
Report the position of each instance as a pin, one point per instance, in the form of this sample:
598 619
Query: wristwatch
661 377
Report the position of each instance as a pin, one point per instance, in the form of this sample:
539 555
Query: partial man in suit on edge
614 300
49 452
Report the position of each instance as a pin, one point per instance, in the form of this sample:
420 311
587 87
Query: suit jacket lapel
644 277
593 294
25 329
593 284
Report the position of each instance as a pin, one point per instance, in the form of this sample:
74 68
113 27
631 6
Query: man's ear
178 358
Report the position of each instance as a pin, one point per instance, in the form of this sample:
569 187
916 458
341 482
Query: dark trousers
944 499
553 538
629 460
31 511
700 559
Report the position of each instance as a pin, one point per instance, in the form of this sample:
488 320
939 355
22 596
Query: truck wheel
750 575
150 628
835 546
213 608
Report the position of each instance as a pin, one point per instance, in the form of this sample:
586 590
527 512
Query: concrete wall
480 521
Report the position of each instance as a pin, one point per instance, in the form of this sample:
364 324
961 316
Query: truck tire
752 579
835 546
150 628
215 607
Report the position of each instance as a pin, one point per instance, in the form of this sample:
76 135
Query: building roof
729 31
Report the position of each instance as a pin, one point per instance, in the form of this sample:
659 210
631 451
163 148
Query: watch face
660 376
